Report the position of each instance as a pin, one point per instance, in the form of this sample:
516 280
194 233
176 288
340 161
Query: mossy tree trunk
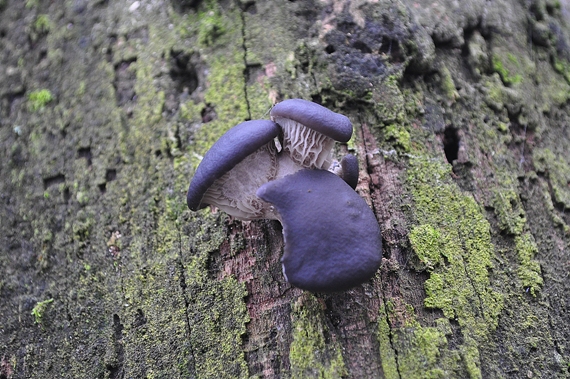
461 115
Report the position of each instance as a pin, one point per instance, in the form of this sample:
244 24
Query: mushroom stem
286 165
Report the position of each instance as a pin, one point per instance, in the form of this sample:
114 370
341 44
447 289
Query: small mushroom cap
349 173
233 147
332 238
316 117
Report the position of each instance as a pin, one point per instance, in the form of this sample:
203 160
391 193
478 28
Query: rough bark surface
461 115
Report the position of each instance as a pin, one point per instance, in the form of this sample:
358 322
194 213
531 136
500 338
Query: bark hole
362 47
140 320
111 175
85 152
450 143
208 113
125 82
53 180
115 366
391 48
186 5
183 72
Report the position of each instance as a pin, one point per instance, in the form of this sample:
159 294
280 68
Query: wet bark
460 113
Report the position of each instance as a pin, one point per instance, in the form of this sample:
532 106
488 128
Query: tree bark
460 113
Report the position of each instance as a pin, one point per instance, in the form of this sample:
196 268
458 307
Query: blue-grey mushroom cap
349 167
233 147
316 117
332 238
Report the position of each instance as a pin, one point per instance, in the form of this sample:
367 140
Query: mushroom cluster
278 169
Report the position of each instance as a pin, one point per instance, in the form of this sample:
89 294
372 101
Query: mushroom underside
232 148
235 191
306 146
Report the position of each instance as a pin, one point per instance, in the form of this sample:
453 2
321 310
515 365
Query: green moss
81 88
39 309
509 211
427 344
427 244
558 171
258 98
212 315
32 3
38 99
387 352
211 24
502 127
218 317
190 111
547 198
562 67
309 354
471 357
226 95
448 85
497 95
389 103
398 136
82 197
460 287
423 350
529 270
42 25
499 67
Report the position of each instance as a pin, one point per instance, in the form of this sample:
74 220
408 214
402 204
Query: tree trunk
461 127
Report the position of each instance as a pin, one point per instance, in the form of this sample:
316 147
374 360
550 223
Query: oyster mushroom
309 132
332 238
234 168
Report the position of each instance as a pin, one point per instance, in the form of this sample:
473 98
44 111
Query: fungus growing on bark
332 238
349 170
234 168
309 131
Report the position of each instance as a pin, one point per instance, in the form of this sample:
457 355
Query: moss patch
226 95
529 270
42 25
500 64
387 353
217 323
432 356
427 343
562 67
310 355
428 245
39 309
398 136
389 103
211 24
447 85
558 172
38 99
509 211
459 280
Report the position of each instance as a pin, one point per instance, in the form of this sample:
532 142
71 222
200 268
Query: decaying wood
461 114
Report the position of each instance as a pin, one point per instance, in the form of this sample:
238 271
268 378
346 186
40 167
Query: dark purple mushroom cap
233 147
316 117
349 173
332 239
